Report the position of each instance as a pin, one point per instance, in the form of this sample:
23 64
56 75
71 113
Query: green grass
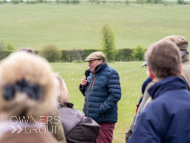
131 79
78 26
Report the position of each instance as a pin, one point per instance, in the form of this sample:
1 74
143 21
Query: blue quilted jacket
166 118
102 93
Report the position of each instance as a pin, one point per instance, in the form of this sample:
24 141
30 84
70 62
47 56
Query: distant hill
78 26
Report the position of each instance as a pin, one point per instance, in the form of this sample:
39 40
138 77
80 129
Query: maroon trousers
105 133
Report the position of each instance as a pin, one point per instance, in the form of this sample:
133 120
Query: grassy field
131 78
78 26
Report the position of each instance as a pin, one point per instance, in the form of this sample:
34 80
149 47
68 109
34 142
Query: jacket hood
169 83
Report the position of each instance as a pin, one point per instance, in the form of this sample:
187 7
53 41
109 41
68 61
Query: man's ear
180 71
101 61
151 74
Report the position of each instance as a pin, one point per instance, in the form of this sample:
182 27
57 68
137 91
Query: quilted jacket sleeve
114 91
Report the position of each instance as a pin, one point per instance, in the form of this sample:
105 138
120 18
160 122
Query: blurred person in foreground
26 98
182 44
55 129
166 118
77 127
102 92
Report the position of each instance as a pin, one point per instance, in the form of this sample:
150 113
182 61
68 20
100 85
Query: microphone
87 73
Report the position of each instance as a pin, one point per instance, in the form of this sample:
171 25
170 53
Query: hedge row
80 55
4 54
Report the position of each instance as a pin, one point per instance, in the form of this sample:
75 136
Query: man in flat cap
182 44
102 91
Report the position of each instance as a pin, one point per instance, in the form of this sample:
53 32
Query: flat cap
180 41
96 56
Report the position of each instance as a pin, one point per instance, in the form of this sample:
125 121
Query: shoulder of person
111 71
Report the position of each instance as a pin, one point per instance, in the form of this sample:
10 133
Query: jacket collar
169 83
146 82
66 104
100 67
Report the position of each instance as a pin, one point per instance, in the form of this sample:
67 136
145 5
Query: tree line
53 54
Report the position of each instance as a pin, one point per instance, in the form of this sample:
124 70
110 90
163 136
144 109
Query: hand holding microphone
84 79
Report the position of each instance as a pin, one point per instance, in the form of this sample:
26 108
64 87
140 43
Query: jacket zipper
91 84
88 95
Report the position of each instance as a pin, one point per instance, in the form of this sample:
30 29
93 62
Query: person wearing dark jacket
102 91
77 127
182 44
166 118
140 106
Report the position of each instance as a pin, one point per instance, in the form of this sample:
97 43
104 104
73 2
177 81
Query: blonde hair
35 70
63 91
